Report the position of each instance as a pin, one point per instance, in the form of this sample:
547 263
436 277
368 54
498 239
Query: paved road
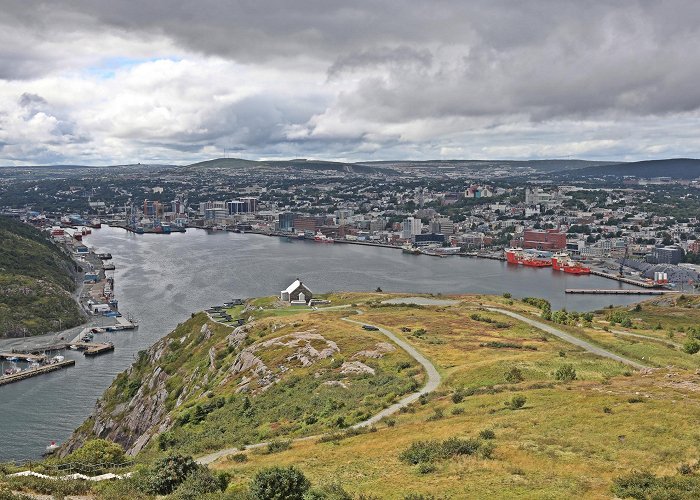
431 384
567 337
647 337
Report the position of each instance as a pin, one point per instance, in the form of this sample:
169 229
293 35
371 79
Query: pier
8 379
601 291
622 279
28 357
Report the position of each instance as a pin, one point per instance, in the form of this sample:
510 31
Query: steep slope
206 386
36 281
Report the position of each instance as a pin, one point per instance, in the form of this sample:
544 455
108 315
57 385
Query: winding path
431 384
567 337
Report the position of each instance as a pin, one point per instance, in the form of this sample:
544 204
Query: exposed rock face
381 348
131 424
303 352
355 368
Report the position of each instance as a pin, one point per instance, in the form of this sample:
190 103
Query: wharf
23 356
622 279
93 349
8 379
593 291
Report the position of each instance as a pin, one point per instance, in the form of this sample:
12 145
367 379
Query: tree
279 483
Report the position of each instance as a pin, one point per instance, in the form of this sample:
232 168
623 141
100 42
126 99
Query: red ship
531 258
562 262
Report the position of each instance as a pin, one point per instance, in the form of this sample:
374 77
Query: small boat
58 359
51 448
34 365
13 359
12 370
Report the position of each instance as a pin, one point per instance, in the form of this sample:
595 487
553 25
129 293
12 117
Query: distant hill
676 168
294 164
36 281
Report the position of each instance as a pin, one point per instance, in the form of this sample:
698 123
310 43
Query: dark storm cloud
380 73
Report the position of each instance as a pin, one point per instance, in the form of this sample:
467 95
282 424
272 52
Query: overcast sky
109 81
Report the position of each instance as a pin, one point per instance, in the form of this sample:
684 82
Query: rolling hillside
36 281
519 412
676 168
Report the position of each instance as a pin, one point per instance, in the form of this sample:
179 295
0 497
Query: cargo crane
622 262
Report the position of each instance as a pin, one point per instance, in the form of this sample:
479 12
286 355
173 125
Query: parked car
370 327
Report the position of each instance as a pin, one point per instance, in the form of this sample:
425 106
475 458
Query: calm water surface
162 279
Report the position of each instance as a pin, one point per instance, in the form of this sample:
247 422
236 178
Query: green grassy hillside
36 282
519 413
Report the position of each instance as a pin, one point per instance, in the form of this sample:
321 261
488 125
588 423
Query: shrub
418 496
238 457
199 483
507 295
635 400
607 409
168 473
438 413
457 410
422 451
516 402
514 375
279 483
390 422
430 451
276 446
644 485
691 346
487 434
96 455
328 492
565 373
457 396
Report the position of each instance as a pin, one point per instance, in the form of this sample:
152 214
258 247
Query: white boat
58 359
51 448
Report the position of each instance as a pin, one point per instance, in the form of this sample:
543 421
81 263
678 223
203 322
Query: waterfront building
286 221
296 293
411 227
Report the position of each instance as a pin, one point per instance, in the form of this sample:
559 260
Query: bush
328 492
516 402
95 456
279 483
276 446
238 457
199 483
457 396
457 410
644 485
691 346
565 373
438 413
430 451
507 295
487 434
168 473
514 375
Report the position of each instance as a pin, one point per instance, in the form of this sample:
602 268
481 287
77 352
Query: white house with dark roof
297 293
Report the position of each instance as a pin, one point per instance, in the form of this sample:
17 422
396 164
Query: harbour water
162 279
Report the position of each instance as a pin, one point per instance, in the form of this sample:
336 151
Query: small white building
297 293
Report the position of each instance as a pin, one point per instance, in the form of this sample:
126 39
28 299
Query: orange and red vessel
529 258
562 262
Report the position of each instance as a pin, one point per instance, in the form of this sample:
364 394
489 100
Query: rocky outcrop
356 368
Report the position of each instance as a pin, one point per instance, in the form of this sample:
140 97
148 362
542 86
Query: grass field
563 423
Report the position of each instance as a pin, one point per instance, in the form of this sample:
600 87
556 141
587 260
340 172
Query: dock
28 357
92 348
8 379
622 279
601 291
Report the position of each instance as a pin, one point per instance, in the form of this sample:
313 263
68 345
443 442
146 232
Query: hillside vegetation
36 281
519 412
